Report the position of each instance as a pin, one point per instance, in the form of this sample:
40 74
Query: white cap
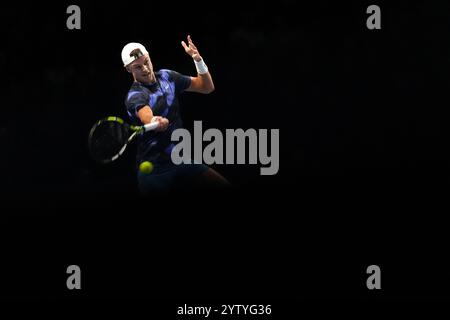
128 57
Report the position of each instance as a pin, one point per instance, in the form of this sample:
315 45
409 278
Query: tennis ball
146 167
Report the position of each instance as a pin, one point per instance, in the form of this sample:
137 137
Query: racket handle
151 126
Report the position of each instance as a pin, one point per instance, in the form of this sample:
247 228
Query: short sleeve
134 102
181 81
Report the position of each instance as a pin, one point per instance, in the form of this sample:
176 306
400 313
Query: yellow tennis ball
146 167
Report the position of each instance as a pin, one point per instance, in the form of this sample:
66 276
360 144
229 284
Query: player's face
142 69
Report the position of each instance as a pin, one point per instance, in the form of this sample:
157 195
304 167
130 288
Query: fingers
163 123
190 48
191 44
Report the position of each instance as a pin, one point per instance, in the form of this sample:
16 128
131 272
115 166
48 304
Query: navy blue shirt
162 97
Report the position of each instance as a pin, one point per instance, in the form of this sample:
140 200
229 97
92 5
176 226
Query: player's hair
136 53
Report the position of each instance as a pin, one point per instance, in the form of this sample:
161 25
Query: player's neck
150 82
152 79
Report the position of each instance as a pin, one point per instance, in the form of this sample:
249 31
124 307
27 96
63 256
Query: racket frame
136 131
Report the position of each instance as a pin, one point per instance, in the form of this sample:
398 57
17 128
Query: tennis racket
110 136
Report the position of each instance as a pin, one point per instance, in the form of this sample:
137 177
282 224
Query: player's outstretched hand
191 49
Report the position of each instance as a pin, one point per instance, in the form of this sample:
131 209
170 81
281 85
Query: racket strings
108 139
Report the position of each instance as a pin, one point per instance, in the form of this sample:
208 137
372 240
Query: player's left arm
203 82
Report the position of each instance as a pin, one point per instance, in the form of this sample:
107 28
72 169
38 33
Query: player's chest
163 100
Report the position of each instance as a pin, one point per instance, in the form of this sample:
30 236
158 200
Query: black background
363 173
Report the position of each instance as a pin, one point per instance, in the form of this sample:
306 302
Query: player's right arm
145 114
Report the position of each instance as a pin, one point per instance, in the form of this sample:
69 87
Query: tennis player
153 96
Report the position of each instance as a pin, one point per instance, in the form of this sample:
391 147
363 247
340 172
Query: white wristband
202 68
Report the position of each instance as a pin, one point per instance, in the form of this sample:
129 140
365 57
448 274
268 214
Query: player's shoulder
136 86
169 74
136 90
165 73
